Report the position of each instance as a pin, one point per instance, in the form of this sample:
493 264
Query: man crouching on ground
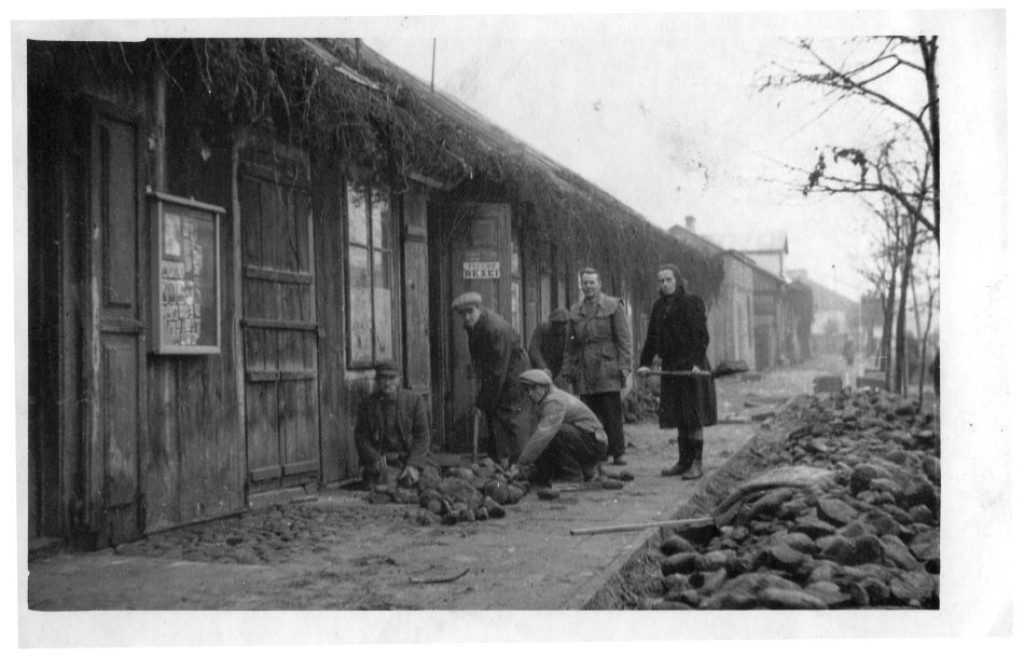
392 431
568 436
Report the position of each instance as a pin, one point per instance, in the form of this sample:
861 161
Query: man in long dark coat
678 334
498 358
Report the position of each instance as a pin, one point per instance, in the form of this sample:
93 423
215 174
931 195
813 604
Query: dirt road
342 553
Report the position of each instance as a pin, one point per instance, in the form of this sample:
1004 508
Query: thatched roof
327 93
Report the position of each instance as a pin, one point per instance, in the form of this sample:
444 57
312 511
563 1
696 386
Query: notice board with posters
186 297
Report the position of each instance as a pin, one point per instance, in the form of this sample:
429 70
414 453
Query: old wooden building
226 235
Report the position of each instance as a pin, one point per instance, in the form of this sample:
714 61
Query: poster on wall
186 262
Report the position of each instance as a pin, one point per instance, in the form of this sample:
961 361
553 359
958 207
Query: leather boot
695 470
684 456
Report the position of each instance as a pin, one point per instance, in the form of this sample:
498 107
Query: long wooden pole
678 373
625 528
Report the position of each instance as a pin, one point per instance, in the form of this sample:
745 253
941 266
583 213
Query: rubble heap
459 494
845 516
476 492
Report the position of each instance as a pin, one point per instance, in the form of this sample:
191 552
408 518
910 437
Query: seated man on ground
392 432
568 436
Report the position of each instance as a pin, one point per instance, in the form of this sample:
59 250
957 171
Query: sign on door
481 270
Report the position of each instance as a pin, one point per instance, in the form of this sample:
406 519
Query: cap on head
387 369
561 315
535 377
467 300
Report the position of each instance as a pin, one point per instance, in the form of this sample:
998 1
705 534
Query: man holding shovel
678 334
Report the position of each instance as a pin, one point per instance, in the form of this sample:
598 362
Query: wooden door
117 426
279 328
416 298
479 259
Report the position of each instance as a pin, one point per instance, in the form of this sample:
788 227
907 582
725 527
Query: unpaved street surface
340 552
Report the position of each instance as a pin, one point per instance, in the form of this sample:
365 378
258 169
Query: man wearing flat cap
569 436
498 358
392 431
547 346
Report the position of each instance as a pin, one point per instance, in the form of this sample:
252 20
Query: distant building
759 316
767 249
836 317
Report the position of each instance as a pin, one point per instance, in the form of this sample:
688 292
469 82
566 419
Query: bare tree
885 277
930 279
899 165
880 71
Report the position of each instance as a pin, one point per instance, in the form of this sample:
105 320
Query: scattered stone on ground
846 515
274 534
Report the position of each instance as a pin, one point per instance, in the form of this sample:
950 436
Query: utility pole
433 62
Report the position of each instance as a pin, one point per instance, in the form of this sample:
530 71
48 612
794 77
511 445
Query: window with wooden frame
516 288
370 280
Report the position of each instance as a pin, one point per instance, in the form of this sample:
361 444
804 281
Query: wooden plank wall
47 306
416 307
195 458
337 448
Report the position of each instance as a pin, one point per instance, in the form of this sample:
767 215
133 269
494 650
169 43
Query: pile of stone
459 494
846 515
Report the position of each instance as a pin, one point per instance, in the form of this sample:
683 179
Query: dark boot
684 456
695 470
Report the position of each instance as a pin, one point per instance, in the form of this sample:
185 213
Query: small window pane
516 313
360 305
382 301
382 270
357 216
381 220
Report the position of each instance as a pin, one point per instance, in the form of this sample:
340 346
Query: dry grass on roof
389 127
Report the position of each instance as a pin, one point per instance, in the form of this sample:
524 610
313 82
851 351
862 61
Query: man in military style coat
599 357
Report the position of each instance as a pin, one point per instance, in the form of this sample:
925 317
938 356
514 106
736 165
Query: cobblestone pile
464 493
845 516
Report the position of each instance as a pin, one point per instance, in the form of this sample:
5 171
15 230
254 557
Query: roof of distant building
753 242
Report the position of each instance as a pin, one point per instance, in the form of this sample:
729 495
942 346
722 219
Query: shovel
680 374
719 372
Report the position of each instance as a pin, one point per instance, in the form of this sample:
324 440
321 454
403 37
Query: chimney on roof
691 223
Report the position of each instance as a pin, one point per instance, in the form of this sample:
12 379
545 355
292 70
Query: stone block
871 383
828 384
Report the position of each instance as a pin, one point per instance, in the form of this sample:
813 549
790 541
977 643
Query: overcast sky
663 112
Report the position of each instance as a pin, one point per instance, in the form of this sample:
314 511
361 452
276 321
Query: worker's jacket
557 408
412 440
498 358
600 346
